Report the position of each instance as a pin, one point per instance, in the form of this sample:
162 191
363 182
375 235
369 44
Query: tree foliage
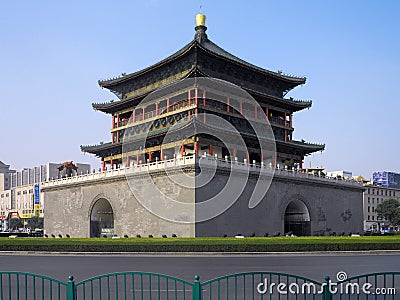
15 223
35 222
389 210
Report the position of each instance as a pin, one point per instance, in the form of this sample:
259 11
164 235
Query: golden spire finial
200 20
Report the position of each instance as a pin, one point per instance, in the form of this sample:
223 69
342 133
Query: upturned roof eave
98 147
295 103
304 145
221 53
105 107
118 80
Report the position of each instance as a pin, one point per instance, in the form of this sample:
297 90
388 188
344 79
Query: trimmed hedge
202 244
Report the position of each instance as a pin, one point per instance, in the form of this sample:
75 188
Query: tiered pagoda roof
201 58
194 126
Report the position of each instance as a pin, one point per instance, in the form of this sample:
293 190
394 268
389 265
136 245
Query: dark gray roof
214 48
3 164
206 44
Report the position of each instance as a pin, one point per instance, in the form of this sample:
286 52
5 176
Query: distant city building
5 173
17 189
373 196
49 171
386 179
342 174
362 180
318 171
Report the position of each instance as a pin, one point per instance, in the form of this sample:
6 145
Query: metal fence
249 285
27 286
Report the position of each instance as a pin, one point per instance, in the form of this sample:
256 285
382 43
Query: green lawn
202 244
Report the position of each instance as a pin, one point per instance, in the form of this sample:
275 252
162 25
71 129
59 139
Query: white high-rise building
17 189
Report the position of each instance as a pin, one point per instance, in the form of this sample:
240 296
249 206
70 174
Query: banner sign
37 194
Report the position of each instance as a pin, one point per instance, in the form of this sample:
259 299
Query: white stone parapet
135 169
190 161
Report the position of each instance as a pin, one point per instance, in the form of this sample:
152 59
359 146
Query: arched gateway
101 219
297 218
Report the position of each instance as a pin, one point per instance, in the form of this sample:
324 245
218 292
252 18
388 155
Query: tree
389 210
15 223
396 220
35 222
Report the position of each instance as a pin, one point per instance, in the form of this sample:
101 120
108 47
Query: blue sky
52 53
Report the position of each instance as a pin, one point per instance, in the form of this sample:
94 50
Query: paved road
185 267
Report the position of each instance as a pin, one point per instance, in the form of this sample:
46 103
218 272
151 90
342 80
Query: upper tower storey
151 119
203 58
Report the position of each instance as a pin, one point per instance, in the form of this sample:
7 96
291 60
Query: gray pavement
314 266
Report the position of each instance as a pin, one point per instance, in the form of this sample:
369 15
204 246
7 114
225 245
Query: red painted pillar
150 156
111 164
134 115
234 152
290 120
204 98
161 154
228 107
196 101
103 165
189 95
273 162
301 164
196 147
266 112
261 157
210 150
248 157
128 161
143 113
183 150
112 127
137 158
